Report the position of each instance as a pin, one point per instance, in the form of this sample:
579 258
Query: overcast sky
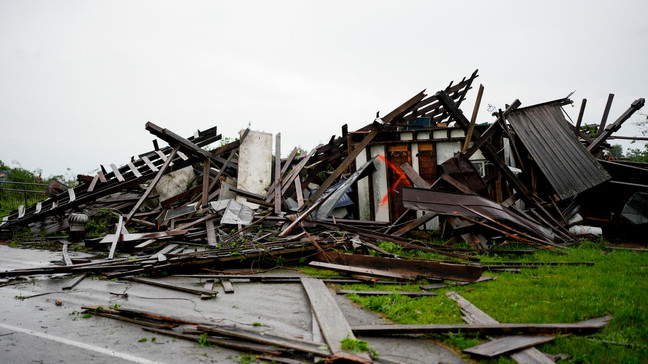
79 79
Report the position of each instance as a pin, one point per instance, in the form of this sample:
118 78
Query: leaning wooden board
331 320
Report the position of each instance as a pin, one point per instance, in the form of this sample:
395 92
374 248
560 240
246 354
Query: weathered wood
198 291
606 112
117 238
385 293
66 256
211 233
269 338
227 286
604 134
364 271
473 119
473 315
416 179
488 150
205 183
331 320
408 267
226 343
277 170
359 148
427 216
74 282
151 186
580 117
483 329
508 344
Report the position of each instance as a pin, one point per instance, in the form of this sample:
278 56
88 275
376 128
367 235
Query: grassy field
615 285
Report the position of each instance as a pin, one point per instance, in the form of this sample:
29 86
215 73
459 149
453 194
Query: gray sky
79 79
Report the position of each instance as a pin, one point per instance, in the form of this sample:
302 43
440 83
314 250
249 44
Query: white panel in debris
255 164
445 150
379 182
457 133
364 204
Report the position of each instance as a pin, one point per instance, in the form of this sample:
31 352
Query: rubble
185 208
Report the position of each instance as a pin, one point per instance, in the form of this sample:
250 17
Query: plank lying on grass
473 315
358 270
484 329
508 344
385 293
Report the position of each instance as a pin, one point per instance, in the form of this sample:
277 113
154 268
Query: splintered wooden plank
134 169
149 164
71 194
205 183
492 329
331 320
211 233
93 183
474 315
115 170
66 256
385 293
152 184
74 282
226 343
508 344
277 169
117 237
358 270
270 339
227 286
160 284
102 177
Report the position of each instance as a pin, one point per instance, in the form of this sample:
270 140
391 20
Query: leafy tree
638 154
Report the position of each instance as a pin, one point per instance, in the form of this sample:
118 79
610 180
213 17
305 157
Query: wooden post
473 119
608 106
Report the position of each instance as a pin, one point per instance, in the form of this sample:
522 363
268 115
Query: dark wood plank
363 271
508 344
385 293
160 284
492 329
270 339
227 286
331 319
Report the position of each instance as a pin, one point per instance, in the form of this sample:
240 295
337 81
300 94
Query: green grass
617 285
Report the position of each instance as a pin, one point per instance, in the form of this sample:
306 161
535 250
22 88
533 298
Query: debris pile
422 170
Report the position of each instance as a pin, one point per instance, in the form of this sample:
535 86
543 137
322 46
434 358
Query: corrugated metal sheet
567 165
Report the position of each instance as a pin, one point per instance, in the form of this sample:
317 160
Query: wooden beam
331 320
151 186
277 170
606 112
473 119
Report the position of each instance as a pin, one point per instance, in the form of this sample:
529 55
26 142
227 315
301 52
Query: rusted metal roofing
567 165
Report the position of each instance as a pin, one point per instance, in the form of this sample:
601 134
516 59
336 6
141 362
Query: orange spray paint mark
402 177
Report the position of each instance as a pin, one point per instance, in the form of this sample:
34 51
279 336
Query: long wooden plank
151 186
331 320
117 237
270 339
508 344
226 343
277 170
493 329
385 293
364 271
174 287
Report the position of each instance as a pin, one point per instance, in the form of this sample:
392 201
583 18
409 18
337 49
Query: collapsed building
424 170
